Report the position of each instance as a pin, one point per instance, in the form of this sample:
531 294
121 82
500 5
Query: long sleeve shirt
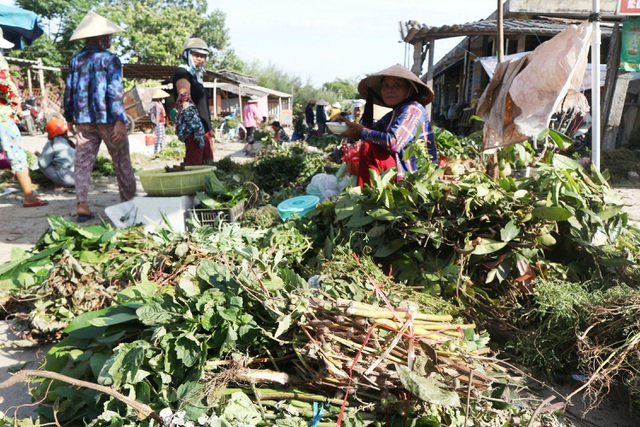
309 116
9 97
250 117
397 130
156 113
94 90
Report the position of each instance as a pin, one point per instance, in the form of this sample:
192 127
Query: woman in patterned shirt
279 134
385 142
10 139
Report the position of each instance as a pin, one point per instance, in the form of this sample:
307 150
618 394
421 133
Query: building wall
607 7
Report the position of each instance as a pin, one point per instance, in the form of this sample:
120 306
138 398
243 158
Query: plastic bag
323 185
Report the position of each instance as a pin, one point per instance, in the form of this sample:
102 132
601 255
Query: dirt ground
22 227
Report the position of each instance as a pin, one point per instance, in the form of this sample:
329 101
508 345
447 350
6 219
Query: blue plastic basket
297 205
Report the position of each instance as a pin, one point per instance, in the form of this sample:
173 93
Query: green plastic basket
159 182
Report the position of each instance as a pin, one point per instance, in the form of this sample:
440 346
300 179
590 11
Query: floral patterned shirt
9 98
93 93
188 120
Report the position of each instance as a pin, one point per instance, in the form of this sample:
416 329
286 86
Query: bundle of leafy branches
287 166
173 149
224 322
206 310
326 142
586 331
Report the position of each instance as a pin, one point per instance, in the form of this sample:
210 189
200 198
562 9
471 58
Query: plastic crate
209 216
159 182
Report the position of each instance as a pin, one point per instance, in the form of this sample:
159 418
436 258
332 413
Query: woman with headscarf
188 86
385 142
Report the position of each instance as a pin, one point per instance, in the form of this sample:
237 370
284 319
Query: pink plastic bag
4 161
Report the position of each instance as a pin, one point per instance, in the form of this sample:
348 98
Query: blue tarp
19 26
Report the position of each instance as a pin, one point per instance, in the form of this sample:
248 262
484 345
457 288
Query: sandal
85 217
35 203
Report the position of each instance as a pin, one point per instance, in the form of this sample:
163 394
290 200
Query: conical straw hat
374 81
94 25
159 93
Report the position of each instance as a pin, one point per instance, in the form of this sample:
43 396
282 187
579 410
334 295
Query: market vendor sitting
385 142
279 134
57 159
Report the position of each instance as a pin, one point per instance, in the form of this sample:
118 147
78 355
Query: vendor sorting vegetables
385 141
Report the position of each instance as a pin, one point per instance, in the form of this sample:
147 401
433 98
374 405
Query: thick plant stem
141 408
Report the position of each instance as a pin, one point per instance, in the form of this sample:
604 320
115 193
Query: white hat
252 99
159 93
336 105
4 43
94 25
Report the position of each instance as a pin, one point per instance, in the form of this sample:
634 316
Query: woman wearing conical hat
385 142
157 115
93 103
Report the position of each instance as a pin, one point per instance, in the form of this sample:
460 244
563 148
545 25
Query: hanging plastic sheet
524 93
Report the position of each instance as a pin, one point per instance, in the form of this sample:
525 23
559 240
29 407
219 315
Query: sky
321 41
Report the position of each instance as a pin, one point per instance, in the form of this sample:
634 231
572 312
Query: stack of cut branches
354 346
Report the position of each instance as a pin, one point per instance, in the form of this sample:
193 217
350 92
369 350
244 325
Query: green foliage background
154 33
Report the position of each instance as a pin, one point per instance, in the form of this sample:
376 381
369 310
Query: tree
213 31
154 35
155 30
345 89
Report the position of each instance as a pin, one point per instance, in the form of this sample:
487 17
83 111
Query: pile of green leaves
222 191
103 166
71 270
199 303
286 167
238 300
459 237
174 149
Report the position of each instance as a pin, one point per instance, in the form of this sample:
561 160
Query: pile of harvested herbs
390 306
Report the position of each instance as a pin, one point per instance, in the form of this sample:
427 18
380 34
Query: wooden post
44 99
430 75
500 40
493 168
29 81
616 85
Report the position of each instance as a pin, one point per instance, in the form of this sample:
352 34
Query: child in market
57 159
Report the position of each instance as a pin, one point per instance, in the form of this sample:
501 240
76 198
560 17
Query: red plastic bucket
149 139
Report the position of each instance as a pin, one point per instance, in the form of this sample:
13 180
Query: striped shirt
397 130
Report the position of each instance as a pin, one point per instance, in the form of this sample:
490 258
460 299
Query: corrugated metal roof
249 90
413 31
273 92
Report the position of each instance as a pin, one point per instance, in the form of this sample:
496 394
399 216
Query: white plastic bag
324 186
